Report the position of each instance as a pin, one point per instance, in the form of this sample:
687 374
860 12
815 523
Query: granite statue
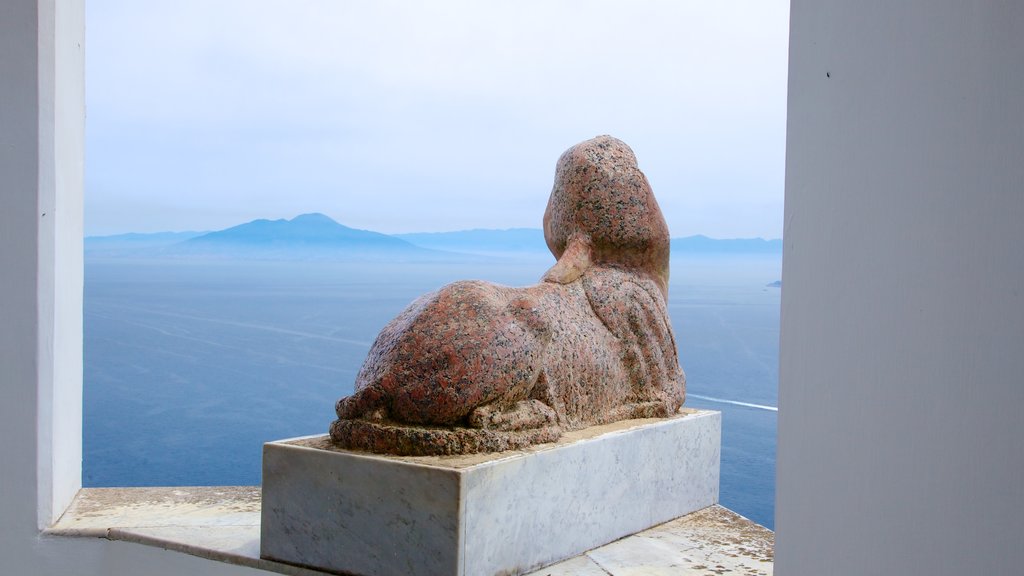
479 367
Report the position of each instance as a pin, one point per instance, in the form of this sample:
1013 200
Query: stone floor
223 524
711 541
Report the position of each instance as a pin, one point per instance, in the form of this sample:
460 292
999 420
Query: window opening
402 118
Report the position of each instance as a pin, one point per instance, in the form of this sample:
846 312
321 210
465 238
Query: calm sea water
191 366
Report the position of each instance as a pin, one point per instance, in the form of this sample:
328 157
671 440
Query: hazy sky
403 116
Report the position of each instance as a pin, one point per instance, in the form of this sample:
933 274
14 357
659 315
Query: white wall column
27 251
902 362
60 232
42 115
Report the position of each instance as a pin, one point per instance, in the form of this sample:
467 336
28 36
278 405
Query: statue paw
523 415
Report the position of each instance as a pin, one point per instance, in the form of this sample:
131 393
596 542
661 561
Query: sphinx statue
479 367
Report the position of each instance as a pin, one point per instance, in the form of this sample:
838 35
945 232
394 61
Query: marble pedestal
506 513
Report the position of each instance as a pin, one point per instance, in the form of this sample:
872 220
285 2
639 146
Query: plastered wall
901 436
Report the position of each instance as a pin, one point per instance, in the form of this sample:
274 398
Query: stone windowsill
222 523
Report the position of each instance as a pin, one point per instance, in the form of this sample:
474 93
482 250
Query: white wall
19 159
901 402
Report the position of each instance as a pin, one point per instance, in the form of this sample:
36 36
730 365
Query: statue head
601 198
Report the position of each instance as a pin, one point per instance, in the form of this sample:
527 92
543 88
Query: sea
191 365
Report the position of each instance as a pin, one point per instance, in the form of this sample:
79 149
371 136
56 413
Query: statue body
479 367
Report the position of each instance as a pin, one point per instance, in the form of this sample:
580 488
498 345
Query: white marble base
506 513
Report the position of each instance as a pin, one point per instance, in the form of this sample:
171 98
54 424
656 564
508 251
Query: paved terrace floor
222 524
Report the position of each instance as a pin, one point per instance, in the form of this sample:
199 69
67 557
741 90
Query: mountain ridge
316 235
310 230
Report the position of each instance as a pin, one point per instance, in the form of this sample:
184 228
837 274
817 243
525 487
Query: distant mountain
478 241
143 239
133 243
316 236
305 237
701 244
304 231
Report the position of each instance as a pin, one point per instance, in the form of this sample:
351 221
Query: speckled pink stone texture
478 367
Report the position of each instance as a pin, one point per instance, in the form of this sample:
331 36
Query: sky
422 116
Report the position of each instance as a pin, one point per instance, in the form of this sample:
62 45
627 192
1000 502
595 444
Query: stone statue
478 367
